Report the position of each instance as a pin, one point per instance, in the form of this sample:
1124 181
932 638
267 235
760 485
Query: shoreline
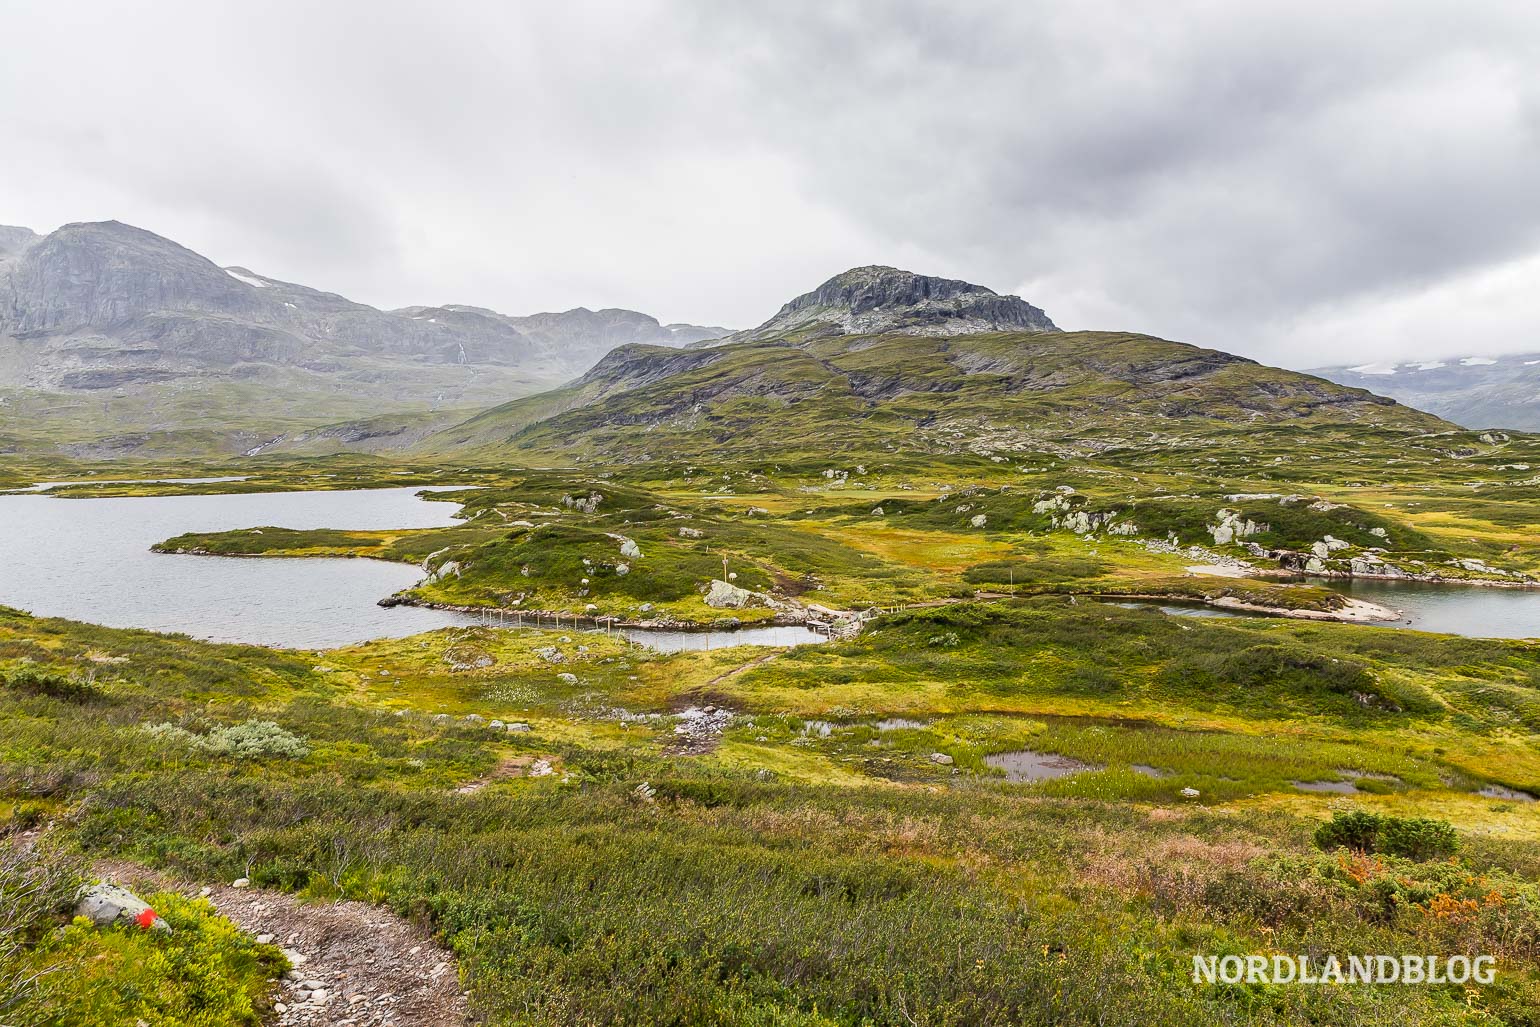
579 621
1355 611
1414 579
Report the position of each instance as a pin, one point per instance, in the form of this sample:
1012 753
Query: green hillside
904 393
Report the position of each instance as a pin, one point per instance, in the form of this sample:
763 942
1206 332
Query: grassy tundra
812 867
842 850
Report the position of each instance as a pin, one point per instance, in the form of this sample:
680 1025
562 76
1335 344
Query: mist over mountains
1472 391
106 307
122 340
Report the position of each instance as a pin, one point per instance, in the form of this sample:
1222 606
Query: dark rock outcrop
870 300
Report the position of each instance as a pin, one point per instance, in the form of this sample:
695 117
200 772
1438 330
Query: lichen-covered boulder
467 657
1231 528
726 595
106 904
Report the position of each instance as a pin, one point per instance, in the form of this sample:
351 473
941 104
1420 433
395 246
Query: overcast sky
1301 182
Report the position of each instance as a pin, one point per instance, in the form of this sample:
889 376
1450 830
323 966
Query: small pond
1027 765
682 641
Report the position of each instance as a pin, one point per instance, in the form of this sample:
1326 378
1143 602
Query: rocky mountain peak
874 299
104 305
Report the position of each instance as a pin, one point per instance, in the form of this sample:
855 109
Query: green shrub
172 733
1034 572
1264 665
251 740
1413 838
1358 830
1417 838
256 739
34 894
52 685
24 817
205 973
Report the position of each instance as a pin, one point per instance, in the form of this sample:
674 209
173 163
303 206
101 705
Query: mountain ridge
106 308
873 357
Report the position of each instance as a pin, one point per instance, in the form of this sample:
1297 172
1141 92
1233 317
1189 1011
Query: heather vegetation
813 862
996 797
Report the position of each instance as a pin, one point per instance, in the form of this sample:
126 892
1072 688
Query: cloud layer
1302 182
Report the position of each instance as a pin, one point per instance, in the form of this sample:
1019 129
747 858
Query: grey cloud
1253 176
1216 170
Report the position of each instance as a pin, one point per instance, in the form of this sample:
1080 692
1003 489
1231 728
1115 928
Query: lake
1474 610
90 560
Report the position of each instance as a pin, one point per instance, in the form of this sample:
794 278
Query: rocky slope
871 300
109 309
1476 392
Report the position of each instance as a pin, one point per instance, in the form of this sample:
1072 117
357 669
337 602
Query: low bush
1417 838
251 740
1034 572
1413 838
1358 830
34 895
1264 665
256 739
52 685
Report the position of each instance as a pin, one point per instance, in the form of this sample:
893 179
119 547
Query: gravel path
355 965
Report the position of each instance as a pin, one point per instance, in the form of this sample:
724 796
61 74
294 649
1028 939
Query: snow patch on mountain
248 279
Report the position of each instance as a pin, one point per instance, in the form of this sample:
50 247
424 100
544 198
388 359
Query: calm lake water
90 560
1456 609
1473 610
